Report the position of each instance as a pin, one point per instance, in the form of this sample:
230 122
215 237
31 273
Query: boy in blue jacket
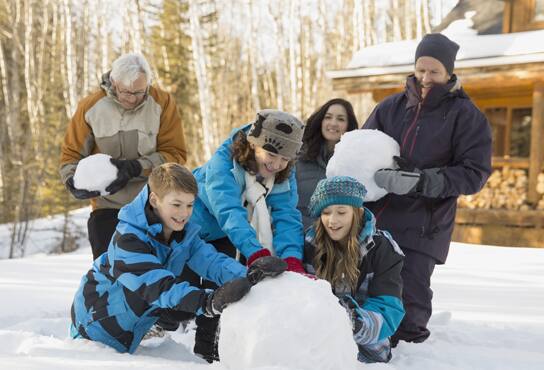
137 281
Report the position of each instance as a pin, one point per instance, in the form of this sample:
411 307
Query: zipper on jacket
380 211
411 127
414 142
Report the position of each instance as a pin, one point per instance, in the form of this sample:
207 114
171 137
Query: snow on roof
475 51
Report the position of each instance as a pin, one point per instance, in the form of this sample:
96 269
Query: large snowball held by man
288 322
359 154
95 173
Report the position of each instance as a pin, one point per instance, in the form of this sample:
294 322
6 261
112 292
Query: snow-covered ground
489 314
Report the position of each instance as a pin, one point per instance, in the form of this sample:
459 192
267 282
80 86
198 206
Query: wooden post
507 17
537 137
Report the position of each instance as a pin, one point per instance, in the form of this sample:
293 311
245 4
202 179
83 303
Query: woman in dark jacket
445 151
323 130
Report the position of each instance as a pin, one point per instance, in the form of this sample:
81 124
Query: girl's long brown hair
338 263
245 156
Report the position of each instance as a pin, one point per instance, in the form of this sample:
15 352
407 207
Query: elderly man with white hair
135 123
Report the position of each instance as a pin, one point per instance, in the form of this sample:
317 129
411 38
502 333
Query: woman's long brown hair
335 262
245 156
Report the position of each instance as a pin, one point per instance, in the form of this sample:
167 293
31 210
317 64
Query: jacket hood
140 215
105 84
436 95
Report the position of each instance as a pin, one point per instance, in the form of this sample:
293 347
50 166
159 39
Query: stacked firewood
505 189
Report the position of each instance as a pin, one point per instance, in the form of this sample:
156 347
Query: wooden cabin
504 75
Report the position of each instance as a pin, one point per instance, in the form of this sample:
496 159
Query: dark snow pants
207 328
416 296
171 319
101 226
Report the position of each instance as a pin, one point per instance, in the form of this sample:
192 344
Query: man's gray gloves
397 181
229 293
267 266
410 180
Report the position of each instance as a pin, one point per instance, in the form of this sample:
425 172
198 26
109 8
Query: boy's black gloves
409 180
80 193
128 168
229 293
267 266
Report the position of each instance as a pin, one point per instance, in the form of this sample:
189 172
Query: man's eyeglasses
130 94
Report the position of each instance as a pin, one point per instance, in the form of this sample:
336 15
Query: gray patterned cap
277 132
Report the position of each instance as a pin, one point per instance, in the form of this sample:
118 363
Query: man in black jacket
445 151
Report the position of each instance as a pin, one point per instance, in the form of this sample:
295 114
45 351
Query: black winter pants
417 297
171 319
101 226
207 328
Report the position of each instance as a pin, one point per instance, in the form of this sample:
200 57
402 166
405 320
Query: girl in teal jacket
362 264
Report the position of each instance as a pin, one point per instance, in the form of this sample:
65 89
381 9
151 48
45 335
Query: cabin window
523 15
520 134
539 10
511 128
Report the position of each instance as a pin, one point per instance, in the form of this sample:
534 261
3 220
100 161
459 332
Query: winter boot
206 338
156 331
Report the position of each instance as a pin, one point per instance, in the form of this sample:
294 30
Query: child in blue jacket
362 264
247 201
137 281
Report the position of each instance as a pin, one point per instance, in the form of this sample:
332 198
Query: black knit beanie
438 46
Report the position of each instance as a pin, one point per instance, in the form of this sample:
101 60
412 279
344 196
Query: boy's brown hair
169 177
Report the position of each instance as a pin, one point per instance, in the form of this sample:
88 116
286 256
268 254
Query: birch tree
204 93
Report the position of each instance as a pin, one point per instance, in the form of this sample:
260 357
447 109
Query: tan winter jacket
152 133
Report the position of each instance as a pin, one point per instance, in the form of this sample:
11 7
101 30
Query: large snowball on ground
290 321
359 154
95 172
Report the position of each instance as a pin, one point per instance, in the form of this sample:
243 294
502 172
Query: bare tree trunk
164 51
140 22
279 64
103 41
252 55
317 79
86 51
368 23
359 30
293 18
70 71
204 94
419 25
426 17
407 20
394 13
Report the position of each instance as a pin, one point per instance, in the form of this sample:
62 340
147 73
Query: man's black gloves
80 193
267 266
229 293
410 180
128 168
